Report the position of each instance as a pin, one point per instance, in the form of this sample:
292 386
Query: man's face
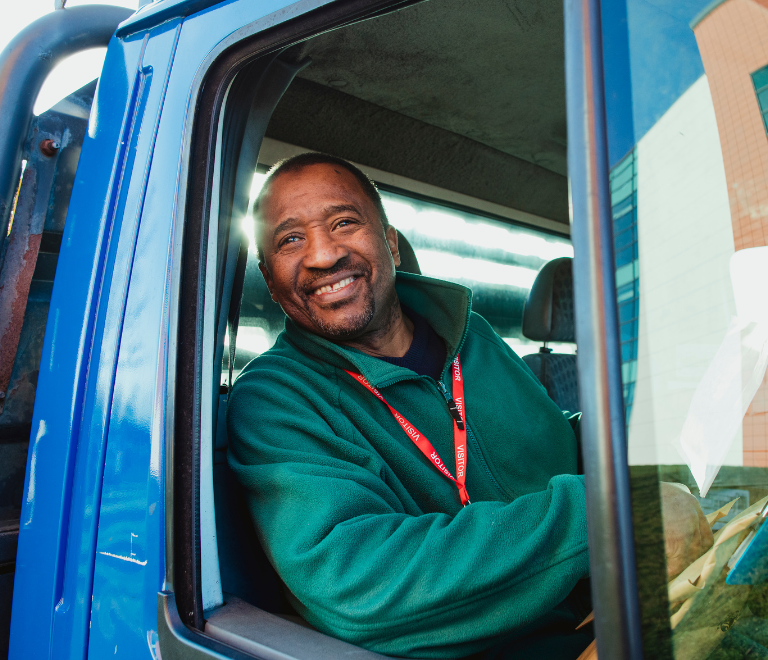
326 258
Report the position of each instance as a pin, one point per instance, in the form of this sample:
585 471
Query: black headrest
408 261
548 314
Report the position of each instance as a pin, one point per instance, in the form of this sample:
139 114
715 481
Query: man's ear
391 235
267 278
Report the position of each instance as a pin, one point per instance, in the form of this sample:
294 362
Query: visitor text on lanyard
456 407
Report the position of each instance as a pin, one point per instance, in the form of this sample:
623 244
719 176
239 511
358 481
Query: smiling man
409 478
328 266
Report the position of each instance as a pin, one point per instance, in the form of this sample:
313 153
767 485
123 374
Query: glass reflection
688 150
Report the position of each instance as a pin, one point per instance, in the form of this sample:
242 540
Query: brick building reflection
733 41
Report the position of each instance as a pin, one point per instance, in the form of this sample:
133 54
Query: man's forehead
324 190
317 174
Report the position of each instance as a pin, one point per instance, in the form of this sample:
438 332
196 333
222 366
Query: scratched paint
133 560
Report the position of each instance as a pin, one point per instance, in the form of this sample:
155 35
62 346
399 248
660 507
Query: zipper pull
452 408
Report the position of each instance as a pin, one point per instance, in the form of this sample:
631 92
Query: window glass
497 260
686 96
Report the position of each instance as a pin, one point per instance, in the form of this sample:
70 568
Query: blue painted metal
70 341
153 14
752 567
24 64
71 628
130 545
91 556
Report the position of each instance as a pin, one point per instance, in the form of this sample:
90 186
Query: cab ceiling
468 95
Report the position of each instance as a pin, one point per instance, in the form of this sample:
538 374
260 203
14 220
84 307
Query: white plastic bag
734 375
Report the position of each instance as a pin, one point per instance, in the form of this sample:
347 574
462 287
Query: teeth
329 288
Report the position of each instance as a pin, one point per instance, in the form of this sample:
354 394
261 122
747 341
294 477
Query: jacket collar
445 306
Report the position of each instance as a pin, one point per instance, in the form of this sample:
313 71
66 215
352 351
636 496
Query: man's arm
365 570
686 532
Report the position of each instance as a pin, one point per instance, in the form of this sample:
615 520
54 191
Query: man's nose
323 251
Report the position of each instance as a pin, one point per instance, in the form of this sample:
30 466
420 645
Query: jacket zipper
452 407
454 411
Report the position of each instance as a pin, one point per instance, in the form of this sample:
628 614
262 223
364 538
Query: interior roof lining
273 151
489 70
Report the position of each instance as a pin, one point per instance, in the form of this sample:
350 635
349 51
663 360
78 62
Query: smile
332 288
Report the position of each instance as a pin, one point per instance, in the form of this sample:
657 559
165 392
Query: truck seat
548 316
245 569
408 261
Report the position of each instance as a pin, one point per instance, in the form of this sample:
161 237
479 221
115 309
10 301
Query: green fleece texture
369 538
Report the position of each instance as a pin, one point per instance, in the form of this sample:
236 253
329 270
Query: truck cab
593 172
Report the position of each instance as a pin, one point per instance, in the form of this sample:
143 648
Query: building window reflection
738 75
623 180
760 81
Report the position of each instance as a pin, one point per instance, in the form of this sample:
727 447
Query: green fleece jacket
369 538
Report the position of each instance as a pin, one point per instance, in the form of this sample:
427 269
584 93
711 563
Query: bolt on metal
50 147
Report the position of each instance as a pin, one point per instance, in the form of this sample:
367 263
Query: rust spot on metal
16 277
9 340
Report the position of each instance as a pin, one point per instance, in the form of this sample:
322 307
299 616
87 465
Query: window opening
497 260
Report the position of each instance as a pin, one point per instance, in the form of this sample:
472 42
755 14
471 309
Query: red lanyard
456 406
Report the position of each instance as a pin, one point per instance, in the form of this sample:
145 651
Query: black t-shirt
426 356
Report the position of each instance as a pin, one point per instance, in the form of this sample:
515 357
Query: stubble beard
349 327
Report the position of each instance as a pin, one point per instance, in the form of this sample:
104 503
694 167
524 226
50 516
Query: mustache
360 269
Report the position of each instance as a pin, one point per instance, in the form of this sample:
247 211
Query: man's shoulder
487 337
479 327
284 366
478 324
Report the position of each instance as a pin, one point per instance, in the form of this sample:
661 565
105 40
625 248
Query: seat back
408 261
244 567
548 317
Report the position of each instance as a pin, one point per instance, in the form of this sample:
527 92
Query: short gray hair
299 162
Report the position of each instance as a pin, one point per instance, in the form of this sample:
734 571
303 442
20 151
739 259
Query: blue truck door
73 329
92 543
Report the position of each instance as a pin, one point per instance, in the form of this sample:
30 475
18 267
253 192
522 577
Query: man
385 408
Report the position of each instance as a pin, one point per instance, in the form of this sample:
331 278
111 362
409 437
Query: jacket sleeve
362 569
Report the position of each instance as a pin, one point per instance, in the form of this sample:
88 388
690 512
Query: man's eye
288 240
345 222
